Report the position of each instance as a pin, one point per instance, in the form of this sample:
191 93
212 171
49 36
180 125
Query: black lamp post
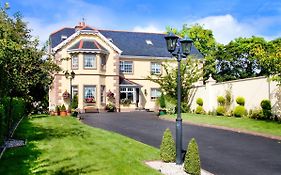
181 49
70 76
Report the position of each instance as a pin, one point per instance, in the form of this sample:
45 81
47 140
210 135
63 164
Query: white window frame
155 68
75 62
90 61
126 67
102 94
128 90
94 91
155 93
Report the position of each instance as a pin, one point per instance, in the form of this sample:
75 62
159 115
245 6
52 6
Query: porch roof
125 82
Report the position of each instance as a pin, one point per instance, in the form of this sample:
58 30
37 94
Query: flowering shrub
90 100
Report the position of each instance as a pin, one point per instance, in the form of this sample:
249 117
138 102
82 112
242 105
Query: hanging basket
65 95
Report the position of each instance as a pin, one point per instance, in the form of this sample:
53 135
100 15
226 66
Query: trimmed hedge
266 108
220 110
168 147
199 110
240 101
221 100
239 111
192 159
199 101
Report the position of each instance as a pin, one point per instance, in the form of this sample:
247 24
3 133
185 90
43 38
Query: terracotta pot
63 113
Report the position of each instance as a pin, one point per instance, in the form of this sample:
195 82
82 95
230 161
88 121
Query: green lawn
265 127
65 146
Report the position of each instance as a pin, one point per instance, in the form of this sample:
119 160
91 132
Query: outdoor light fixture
179 49
70 76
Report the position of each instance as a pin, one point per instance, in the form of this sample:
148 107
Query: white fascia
89 32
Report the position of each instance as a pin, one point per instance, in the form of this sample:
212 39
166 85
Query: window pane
155 92
102 95
130 96
74 62
122 95
126 66
89 61
89 92
155 68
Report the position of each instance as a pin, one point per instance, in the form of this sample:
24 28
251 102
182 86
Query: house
107 61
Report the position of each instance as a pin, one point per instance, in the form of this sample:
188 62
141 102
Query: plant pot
162 112
63 113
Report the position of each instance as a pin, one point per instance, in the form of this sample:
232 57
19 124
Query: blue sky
228 19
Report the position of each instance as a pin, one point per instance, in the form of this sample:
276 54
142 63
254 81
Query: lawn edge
243 131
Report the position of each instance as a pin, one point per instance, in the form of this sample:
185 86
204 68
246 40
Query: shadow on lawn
27 160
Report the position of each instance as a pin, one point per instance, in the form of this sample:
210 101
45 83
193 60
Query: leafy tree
241 59
204 41
24 70
271 60
190 73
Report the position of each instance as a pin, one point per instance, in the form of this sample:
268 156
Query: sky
228 19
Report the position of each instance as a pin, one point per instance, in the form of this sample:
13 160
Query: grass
65 146
264 127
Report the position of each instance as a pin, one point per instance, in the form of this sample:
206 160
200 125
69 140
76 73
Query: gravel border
171 168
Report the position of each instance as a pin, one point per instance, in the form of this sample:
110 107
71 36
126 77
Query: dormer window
148 42
63 37
110 39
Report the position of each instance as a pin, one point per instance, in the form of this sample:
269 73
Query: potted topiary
62 110
110 107
57 110
162 103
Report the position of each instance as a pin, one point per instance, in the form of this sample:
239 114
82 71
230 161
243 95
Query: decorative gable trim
89 32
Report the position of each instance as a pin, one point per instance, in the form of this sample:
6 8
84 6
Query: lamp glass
171 41
72 74
66 74
186 44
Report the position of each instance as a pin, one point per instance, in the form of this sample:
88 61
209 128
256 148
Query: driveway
221 152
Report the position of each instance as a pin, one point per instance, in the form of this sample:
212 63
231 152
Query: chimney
80 26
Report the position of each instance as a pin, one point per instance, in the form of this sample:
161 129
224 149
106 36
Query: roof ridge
111 30
56 31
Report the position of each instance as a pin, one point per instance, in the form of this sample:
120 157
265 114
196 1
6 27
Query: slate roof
87 44
131 43
125 82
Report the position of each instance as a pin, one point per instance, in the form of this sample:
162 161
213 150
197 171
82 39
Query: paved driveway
221 152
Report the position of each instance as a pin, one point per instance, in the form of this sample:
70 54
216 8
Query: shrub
110 107
220 110
62 108
239 111
199 101
162 102
256 114
221 100
240 101
266 108
57 109
74 103
199 110
168 147
192 159
2 124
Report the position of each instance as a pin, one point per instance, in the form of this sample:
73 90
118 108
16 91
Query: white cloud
226 28
95 16
150 28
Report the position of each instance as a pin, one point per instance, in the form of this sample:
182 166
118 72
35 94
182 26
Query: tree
204 41
271 60
241 59
24 70
190 73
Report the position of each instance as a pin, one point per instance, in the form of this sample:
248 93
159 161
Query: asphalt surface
221 152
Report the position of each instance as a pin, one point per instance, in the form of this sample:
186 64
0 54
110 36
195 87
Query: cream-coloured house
107 61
